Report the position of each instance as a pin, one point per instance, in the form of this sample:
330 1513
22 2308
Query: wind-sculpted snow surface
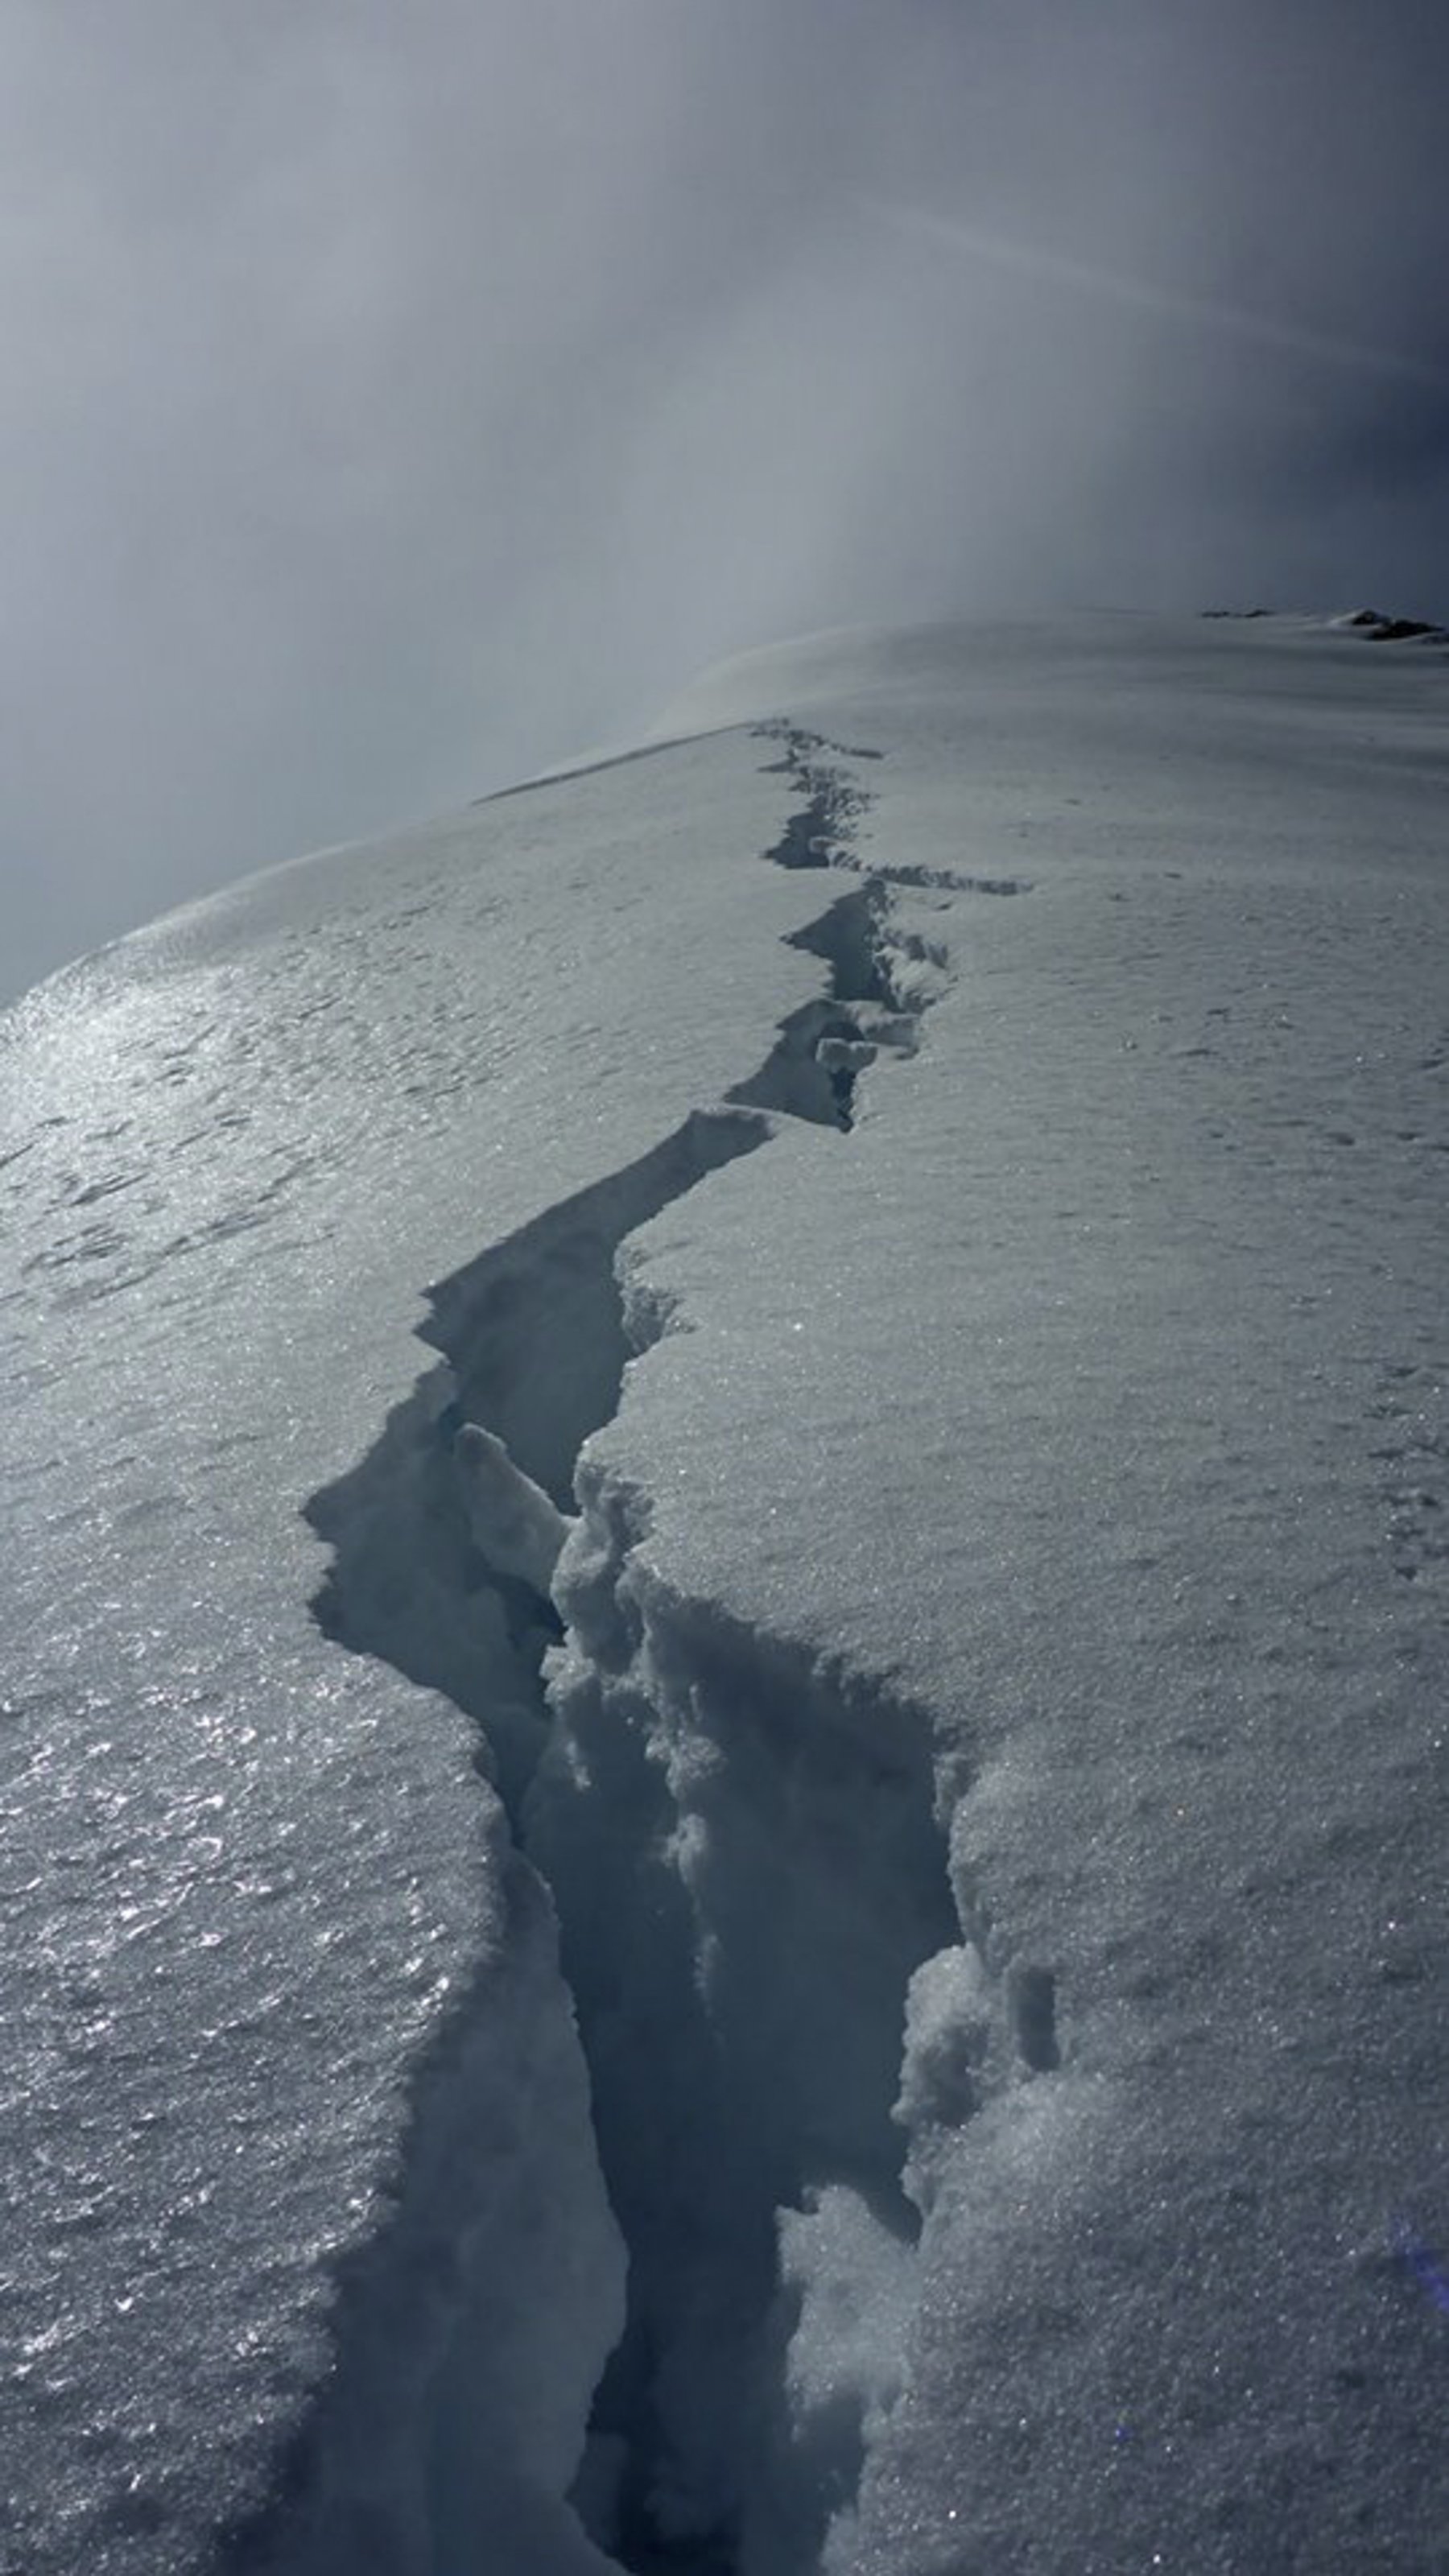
826 1957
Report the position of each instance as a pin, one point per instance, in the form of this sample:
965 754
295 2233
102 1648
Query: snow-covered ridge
823 1952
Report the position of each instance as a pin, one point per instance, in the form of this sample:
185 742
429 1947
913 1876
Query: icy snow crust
882 2010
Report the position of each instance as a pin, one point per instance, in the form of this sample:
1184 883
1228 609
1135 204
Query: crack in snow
744 1845
876 996
535 1343
820 833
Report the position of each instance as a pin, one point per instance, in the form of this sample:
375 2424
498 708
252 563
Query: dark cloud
402 397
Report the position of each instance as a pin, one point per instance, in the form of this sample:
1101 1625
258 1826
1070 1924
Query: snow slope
883 2009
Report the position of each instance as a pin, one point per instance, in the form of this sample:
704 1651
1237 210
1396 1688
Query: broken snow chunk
848 2287
948 2040
844 1055
516 1529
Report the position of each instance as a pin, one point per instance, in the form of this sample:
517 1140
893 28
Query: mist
400 400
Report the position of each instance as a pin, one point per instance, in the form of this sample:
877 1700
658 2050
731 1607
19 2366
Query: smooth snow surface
786 1914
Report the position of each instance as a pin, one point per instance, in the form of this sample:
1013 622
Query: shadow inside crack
749 1868
534 1349
872 1009
816 834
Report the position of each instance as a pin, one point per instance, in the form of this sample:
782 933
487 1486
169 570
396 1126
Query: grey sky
400 397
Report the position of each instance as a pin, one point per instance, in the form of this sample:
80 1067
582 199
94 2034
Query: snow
254 1886
516 1530
895 2023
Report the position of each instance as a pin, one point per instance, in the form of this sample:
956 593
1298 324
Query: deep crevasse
748 1866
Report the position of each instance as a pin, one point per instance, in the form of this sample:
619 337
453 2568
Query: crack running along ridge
779 2086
